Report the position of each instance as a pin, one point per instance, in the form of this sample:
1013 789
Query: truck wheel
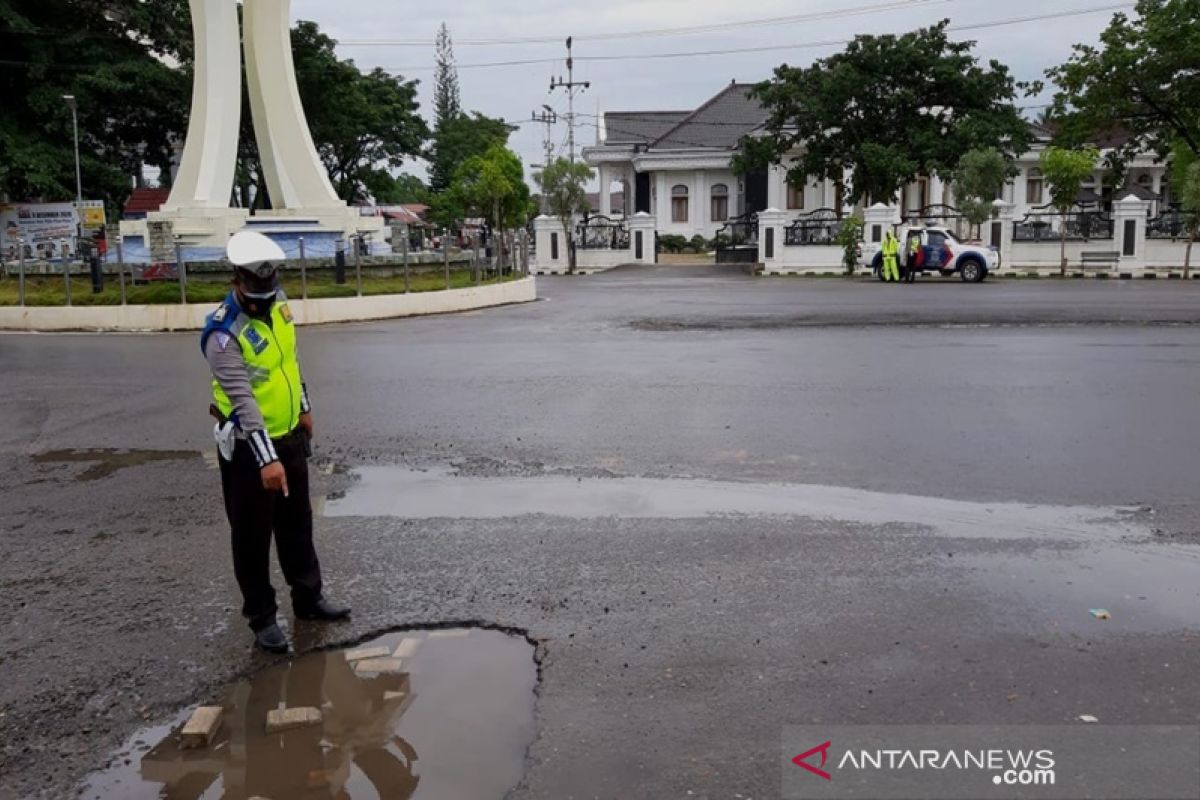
971 271
877 267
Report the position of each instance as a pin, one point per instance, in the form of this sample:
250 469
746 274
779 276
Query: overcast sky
513 92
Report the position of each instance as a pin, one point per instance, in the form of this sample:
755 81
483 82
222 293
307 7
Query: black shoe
323 611
271 639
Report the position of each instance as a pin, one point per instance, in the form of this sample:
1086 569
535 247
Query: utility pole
571 86
549 118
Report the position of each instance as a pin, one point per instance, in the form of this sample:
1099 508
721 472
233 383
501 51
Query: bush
698 244
671 243
850 238
719 241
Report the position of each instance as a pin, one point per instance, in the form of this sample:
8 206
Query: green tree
132 106
980 174
360 122
447 99
492 186
1141 81
889 109
564 187
391 189
1185 166
447 109
458 139
1065 172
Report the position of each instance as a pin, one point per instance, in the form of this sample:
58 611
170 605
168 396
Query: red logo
801 760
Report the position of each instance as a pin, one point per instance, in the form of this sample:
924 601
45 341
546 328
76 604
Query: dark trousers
254 513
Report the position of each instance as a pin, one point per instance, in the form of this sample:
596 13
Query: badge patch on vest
219 314
255 340
286 313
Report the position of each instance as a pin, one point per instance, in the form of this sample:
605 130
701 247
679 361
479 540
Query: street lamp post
70 98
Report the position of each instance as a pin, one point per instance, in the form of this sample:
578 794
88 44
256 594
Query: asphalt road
1021 452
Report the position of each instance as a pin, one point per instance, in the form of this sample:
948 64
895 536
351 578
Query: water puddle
1142 589
105 462
435 714
385 491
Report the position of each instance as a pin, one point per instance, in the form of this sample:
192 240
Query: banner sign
43 226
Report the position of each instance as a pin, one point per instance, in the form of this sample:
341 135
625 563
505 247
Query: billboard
43 226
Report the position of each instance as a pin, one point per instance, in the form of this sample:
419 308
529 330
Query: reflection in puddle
410 715
105 462
399 492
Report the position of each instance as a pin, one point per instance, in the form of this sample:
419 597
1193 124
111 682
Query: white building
677 166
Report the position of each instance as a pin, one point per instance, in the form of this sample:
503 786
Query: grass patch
42 291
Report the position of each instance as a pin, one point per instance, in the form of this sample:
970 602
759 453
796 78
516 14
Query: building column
937 191
605 190
776 183
1001 231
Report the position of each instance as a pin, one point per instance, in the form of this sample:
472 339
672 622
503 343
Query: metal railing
599 232
738 232
1046 224
818 227
1170 224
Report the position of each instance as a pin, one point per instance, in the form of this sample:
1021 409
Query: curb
191 317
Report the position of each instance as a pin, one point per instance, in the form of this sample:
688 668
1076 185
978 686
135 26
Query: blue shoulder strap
228 317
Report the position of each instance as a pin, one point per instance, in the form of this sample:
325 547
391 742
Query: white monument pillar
295 176
205 177
198 206
297 181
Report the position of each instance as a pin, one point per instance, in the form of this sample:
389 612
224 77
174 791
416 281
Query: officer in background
891 256
264 425
912 261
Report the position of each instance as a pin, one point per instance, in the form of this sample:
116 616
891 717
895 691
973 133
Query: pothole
416 714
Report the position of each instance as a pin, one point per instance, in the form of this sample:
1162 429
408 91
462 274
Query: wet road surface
906 500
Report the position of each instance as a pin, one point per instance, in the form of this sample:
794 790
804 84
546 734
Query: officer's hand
306 423
274 478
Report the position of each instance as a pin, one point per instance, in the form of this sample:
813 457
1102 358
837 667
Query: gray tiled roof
639 127
719 123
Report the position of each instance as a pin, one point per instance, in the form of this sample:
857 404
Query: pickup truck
941 251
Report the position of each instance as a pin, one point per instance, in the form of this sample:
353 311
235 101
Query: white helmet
256 260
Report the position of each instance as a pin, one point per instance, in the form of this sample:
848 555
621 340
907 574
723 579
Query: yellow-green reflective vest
891 246
270 354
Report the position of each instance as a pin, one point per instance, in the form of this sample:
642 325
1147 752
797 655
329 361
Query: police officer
263 431
913 257
891 255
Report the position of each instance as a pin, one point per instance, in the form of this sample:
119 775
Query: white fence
598 247
1122 238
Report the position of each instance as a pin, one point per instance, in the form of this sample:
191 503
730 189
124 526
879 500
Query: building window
720 202
679 203
795 199
1034 187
